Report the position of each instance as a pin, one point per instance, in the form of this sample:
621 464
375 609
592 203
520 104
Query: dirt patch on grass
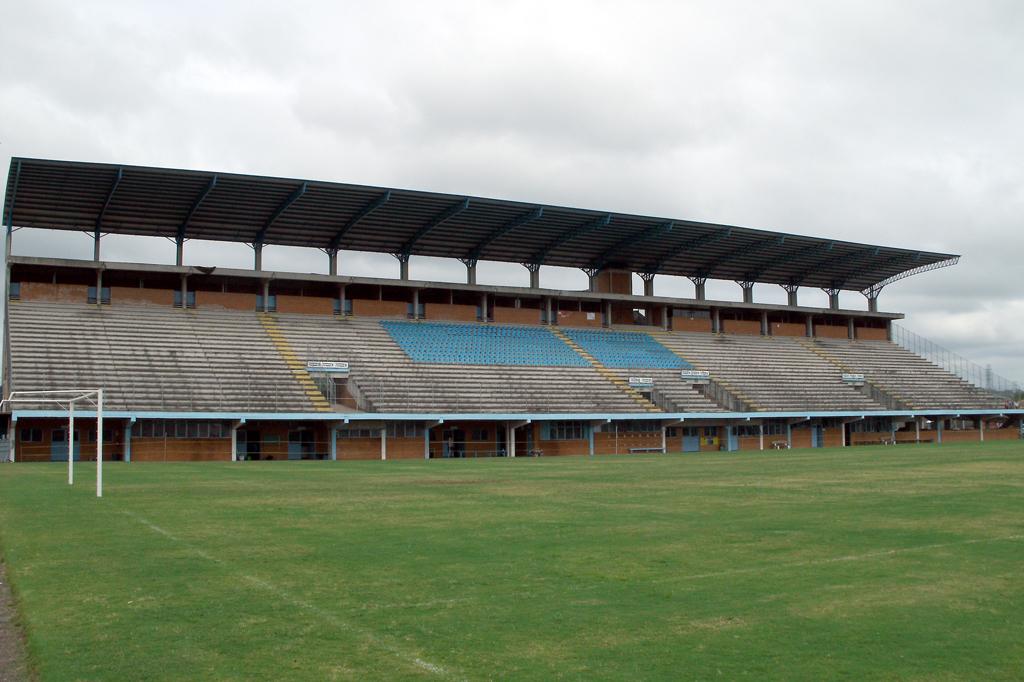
13 666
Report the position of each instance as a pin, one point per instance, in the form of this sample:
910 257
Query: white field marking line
839 559
295 601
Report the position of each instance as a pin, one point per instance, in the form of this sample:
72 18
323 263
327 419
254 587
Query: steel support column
127 439
748 291
648 279
791 294
471 273
716 321
699 288
810 326
534 270
184 291
851 331
765 330
403 266
257 249
332 262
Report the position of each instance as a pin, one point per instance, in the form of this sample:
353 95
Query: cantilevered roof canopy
185 204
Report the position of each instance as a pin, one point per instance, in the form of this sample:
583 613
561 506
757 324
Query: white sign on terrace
853 378
326 366
695 376
635 382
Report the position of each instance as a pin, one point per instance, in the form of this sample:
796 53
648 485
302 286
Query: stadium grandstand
213 363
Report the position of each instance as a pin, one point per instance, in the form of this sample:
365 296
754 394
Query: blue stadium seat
467 344
626 350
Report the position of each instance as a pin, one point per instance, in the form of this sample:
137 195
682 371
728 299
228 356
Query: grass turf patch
859 563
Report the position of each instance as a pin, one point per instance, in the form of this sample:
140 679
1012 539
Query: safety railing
978 375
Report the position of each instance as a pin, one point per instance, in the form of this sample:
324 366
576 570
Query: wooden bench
780 445
636 450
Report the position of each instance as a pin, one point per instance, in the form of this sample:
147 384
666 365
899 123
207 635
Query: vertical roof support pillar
748 290
791 295
534 269
648 279
699 290
470 264
833 297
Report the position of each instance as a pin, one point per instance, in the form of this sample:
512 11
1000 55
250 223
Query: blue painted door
817 436
59 445
301 445
732 442
691 443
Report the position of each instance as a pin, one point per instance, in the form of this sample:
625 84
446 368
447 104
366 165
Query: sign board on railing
695 376
326 366
853 378
641 382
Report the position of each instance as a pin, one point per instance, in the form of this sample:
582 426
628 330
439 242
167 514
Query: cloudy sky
892 123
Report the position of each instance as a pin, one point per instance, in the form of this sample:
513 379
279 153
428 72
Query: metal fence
971 372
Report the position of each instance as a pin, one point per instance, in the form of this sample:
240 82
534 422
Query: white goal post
69 397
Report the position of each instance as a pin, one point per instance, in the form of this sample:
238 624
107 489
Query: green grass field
877 563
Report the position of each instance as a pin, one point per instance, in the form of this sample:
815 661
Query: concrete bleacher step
154 358
911 378
662 335
768 373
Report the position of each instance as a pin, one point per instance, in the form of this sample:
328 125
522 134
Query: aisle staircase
611 376
298 369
